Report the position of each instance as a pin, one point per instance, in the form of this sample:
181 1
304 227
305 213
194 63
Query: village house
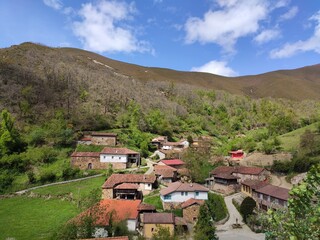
159 141
119 158
182 144
178 192
165 174
175 163
128 186
103 138
152 221
249 186
115 210
237 155
191 209
271 196
226 179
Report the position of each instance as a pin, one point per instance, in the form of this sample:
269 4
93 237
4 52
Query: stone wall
190 214
103 140
107 193
170 205
83 163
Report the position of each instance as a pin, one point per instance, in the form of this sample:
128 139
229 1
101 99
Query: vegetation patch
155 201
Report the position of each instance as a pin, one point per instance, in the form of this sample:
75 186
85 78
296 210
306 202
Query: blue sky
225 37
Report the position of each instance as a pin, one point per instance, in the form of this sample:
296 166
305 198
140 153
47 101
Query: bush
70 173
217 207
31 177
246 207
6 180
47 176
282 166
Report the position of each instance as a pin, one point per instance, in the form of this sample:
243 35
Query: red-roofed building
175 163
237 155
165 173
128 186
117 210
119 158
191 208
152 221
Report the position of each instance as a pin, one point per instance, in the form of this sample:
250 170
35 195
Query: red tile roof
192 201
116 179
120 210
254 184
164 171
103 134
85 139
146 207
274 191
172 162
158 218
239 169
118 151
127 186
183 187
86 154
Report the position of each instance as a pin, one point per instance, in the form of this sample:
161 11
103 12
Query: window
112 157
182 193
152 229
167 197
119 157
104 157
197 193
149 184
186 193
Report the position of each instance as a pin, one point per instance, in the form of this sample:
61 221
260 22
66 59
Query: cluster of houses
123 194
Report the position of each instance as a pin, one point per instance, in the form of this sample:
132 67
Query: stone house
176 193
191 209
103 138
159 141
128 186
119 158
152 221
249 186
165 174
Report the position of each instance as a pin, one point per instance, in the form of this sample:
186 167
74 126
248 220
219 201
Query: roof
254 184
180 221
117 151
237 151
238 169
85 139
116 179
158 218
127 186
146 207
85 154
192 201
172 162
274 191
164 170
120 210
183 187
159 139
103 134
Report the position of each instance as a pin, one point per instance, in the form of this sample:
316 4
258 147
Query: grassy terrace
33 218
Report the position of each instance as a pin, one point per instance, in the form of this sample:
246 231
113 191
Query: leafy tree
10 141
216 206
302 218
247 206
204 229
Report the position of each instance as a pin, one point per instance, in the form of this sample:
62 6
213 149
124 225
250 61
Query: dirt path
150 165
280 181
226 232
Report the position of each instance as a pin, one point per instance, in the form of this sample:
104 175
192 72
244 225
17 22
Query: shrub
69 173
31 177
217 207
246 207
47 176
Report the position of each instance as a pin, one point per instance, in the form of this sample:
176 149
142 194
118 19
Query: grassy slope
33 218
37 218
291 140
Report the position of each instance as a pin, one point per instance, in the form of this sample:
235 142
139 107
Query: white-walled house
177 193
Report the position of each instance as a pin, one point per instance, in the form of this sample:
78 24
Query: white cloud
216 67
103 27
290 14
267 35
311 44
235 19
55 4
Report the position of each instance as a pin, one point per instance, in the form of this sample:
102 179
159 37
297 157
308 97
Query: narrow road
226 232
150 165
57 183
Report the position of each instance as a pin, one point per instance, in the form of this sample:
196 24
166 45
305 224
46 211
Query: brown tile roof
192 201
116 179
183 187
118 151
121 210
159 139
146 207
158 218
239 169
172 162
85 154
165 171
254 184
127 186
103 134
85 139
179 221
274 191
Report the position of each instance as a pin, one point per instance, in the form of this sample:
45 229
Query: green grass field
33 218
78 189
155 201
290 141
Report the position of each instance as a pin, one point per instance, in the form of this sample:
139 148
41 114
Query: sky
224 37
